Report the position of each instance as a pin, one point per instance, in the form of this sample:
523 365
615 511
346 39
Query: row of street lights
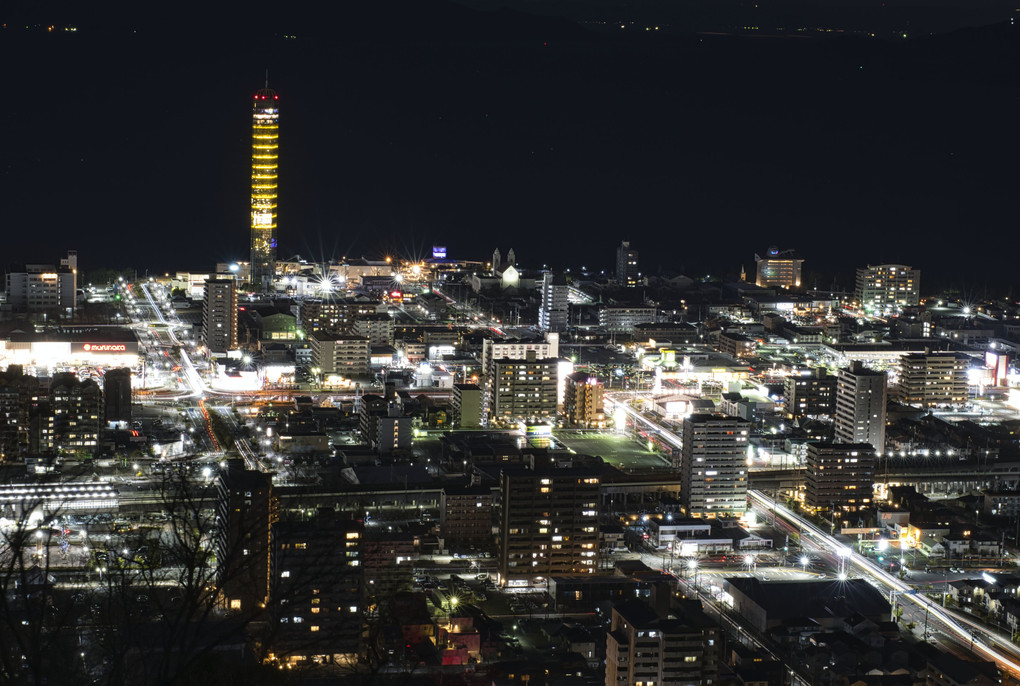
751 562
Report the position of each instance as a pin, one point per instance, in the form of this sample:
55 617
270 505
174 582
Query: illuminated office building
42 288
778 268
265 144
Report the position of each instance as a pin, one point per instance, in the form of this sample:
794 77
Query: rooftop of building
824 598
73 334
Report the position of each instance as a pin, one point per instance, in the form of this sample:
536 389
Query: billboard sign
106 348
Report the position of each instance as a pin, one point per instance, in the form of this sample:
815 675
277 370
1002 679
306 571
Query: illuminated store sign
104 347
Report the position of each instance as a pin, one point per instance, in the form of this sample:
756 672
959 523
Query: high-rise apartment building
265 148
513 349
628 272
13 422
77 411
338 354
219 315
887 288
524 390
246 510
466 515
861 397
839 476
778 268
41 431
713 466
810 394
553 311
548 521
642 648
19 396
377 328
335 316
583 404
388 562
931 379
117 395
384 425
317 590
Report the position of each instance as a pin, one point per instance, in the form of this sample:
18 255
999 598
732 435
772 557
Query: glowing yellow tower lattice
265 144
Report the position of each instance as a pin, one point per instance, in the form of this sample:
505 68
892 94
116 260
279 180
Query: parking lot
620 450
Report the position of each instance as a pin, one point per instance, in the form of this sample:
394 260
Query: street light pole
945 585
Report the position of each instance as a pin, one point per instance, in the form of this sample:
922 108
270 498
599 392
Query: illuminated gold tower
265 143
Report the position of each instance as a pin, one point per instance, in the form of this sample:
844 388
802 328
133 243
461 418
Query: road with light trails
195 382
985 644
639 418
199 389
252 459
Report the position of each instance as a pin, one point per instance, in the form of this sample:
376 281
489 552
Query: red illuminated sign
104 347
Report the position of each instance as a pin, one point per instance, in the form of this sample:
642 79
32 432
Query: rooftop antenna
267 78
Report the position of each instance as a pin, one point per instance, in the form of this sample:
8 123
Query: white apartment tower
493 350
554 310
524 390
887 288
713 466
931 379
861 396
335 354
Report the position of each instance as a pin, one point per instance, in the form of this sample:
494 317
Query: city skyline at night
540 343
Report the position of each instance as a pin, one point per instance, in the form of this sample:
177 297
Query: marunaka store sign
105 347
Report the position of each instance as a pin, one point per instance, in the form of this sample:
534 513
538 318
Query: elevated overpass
931 478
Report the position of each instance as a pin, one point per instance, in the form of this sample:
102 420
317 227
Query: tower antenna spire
267 77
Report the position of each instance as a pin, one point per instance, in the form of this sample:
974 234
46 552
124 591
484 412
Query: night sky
408 125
